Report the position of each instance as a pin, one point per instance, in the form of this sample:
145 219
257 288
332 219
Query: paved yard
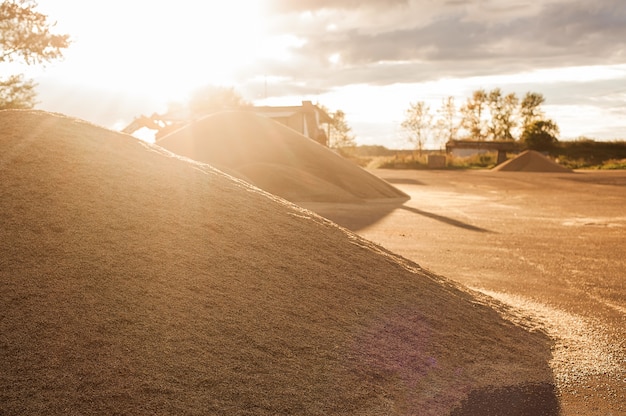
552 246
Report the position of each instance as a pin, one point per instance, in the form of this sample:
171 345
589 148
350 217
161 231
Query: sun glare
161 49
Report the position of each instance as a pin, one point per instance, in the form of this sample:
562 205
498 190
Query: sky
369 58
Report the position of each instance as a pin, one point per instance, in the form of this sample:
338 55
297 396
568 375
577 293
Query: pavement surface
550 246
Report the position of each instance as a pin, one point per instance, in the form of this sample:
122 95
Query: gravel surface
551 246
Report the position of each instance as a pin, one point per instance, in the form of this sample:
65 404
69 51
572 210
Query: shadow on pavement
405 181
356 217
446 220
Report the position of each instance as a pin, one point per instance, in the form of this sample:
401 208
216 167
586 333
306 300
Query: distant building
306 119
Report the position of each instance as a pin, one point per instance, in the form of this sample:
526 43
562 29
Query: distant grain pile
134 282
276 158
530 161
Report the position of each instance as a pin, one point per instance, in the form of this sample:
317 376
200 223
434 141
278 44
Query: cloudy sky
370 58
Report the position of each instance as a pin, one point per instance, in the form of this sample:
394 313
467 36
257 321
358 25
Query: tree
16 92
472 115
25 36
210 99
417 123
509 116
540 135
529 108
506 116
446 126
340 133
204 101
502 109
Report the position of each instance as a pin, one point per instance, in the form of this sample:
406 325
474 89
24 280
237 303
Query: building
307 119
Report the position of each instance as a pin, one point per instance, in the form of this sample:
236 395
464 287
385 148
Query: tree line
485 115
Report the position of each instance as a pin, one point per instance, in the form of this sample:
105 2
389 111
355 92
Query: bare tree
446 125
340 133
417 123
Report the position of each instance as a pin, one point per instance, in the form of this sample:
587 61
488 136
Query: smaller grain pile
530 161
276 158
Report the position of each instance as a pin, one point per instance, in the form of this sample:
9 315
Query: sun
161 48
208 43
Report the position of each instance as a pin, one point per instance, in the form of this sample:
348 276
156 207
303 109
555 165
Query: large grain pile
134 282
530 161
276 158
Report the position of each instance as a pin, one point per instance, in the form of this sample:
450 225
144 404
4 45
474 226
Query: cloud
316 5
361 55
417 41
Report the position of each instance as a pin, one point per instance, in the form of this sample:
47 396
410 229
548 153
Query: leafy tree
502 109
506 113
509 116
485 115
530 110
472 115
204 101
540 135
210 99
25 36
340 133
16 92
417 122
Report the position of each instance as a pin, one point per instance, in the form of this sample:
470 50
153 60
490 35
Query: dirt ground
551 245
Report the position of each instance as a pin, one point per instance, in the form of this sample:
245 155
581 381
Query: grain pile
276 158
530 161
134 282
